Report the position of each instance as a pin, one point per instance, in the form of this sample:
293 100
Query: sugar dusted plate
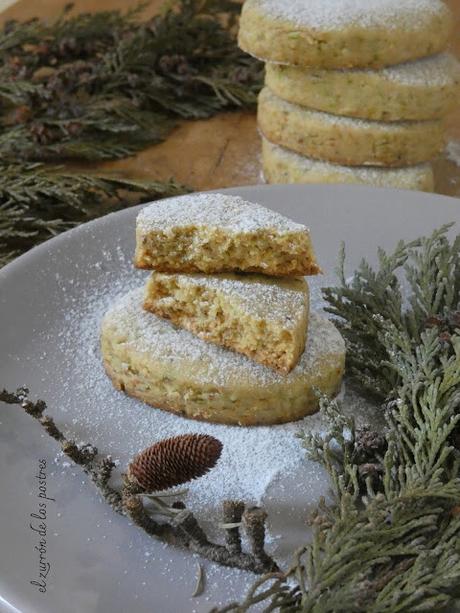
51 301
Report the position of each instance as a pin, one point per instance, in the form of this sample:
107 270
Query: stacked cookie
222 331
356 90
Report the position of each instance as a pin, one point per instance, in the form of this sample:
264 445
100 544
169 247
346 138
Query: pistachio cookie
283 166
425 89
170 368
264 318
344 33
214 233
346 140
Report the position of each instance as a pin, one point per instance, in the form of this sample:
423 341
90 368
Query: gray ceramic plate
98 561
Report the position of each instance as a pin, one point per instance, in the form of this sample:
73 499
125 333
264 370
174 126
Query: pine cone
446 325
174 461
369 444
174 64
453 319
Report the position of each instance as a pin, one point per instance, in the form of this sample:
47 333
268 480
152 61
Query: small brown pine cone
369 444
433 321
174 461
454 319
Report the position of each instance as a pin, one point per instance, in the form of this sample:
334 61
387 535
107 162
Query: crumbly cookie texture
344 33
168 367
214 233
283 166
264 318
346 140
425 89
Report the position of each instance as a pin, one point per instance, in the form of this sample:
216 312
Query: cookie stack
356 90
222 331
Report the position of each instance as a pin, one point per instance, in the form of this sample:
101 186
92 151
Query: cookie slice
283 166
264 318
168 367
425 89
344 33
346 140
214 233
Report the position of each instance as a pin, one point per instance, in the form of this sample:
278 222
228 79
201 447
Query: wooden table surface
223 151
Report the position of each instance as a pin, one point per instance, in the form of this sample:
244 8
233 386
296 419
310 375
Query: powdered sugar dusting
381 177
441 70
336 14
257 465
212 365
278 299
222 211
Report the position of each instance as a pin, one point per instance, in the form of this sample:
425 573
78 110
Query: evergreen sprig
102 86
364 306
106 84
37 202
390 541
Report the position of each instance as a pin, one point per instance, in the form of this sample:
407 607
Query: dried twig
233 512
181 528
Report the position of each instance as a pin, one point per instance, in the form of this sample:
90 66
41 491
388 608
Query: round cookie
167 367
424 89
283 166
344 33
346 140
